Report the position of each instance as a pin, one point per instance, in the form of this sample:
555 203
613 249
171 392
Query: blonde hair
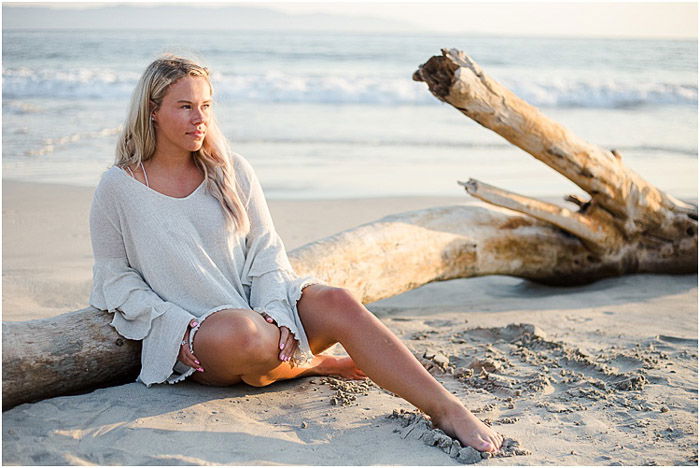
137 141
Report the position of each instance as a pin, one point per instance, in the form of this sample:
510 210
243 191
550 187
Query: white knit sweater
161 261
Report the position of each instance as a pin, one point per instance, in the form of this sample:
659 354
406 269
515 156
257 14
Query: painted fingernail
200 369
281 345
194 324
196 361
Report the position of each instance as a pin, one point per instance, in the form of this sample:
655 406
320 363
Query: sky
590 19
529 18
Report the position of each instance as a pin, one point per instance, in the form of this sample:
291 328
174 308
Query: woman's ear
152 108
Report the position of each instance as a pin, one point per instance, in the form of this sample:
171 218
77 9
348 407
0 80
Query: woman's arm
139 313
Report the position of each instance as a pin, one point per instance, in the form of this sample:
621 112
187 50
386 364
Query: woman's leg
230 344
332 315
237 345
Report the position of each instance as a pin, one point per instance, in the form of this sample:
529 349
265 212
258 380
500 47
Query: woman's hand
288 344
186 356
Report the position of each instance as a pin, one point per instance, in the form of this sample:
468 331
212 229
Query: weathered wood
406 250
640 207
626 218
597 236
63 354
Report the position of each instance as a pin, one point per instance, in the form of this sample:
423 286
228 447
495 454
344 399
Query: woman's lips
197 134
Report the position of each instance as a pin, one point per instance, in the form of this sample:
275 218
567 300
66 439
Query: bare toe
472 432
496 441
485 446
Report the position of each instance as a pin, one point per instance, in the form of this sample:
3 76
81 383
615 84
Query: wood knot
119 342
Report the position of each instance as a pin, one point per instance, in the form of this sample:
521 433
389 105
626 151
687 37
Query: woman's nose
199 117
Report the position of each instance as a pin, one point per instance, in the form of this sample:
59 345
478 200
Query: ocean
337 115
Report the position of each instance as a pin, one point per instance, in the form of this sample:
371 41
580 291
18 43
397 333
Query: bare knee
329 297
250 342
231 343
339 297
343 309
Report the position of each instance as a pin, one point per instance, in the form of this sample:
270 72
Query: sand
604 374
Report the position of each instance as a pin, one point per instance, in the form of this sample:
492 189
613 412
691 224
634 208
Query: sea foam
280 86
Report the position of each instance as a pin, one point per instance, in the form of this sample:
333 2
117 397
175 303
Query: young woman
188 260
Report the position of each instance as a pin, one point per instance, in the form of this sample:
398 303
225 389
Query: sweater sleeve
139 313
274 286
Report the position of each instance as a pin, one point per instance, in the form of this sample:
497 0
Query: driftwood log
627 226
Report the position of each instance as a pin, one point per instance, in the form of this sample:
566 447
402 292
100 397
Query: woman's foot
460 423
341 366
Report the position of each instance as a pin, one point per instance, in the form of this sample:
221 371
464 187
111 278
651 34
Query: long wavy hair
137 141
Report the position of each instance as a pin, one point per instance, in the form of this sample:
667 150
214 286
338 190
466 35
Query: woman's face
182 119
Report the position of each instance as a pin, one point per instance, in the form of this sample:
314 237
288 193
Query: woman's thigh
232 343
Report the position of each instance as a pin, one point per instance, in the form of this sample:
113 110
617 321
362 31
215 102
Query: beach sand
602 374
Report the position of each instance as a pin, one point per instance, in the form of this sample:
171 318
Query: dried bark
59 355
626 221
